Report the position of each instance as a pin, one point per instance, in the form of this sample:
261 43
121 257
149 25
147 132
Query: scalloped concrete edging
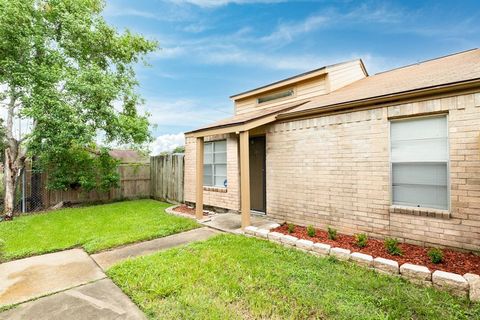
467 285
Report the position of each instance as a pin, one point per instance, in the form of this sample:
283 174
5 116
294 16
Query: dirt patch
453 261
183 208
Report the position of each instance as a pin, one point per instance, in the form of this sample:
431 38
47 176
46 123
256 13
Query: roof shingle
454 68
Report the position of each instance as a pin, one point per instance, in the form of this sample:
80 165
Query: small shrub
332 233
361 239
291 228
435 255
391 244
311 231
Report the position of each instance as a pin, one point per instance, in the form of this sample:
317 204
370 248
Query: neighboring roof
294 79
244 118
129 156
451 69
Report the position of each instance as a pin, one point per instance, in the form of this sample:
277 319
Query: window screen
419 155
275 96
215 164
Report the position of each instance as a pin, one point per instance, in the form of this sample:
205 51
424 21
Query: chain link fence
30 192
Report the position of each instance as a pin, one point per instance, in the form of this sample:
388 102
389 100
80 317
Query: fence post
23 189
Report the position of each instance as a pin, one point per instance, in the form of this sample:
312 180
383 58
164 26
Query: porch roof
245 121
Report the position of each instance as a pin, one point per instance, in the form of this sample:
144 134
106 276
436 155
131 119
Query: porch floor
232 222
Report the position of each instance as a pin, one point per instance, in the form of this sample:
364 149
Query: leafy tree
71 74
179 149
88 166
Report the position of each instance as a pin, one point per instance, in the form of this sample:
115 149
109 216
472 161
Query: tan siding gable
337 76
344 74
303 90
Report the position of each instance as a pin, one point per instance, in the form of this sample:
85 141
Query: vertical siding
344 74
303 90
337 76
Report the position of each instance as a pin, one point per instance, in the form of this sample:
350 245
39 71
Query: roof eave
417 93
280 84
241 125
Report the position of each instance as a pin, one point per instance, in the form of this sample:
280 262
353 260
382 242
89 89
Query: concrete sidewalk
29 278
98 300
71 284
108 258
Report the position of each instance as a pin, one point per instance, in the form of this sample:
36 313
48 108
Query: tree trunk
10 182
14 162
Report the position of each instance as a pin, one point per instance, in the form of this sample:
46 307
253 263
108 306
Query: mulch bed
187 210
453 261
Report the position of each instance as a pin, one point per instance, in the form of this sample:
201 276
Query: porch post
244 178
199 179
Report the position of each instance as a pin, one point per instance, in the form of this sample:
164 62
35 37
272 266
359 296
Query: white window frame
447 161
214 164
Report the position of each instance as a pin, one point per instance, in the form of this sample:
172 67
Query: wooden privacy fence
167 177
161 178
134 183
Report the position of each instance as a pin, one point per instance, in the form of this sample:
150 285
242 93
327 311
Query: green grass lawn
94 228
234 277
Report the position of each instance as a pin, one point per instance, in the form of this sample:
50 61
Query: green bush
361 239
311 231
332 233
391 244
435 255
291 228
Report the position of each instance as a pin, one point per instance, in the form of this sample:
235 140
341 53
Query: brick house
393 154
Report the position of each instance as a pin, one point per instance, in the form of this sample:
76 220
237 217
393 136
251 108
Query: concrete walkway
232 222
72 285
106 259
98 300
29 278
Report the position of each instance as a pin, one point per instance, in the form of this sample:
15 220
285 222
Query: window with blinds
419 156
215 164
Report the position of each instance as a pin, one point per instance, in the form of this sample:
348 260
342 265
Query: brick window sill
215 189
421 212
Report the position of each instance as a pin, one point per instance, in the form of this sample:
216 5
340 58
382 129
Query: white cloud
169 52
168 112
169 13
235 55
377 14
166 142
219 3
237 48
224 53
286 32
195 28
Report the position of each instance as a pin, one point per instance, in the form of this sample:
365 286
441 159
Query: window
419 155
275 96
215 164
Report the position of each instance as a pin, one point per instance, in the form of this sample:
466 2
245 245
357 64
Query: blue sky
212 49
